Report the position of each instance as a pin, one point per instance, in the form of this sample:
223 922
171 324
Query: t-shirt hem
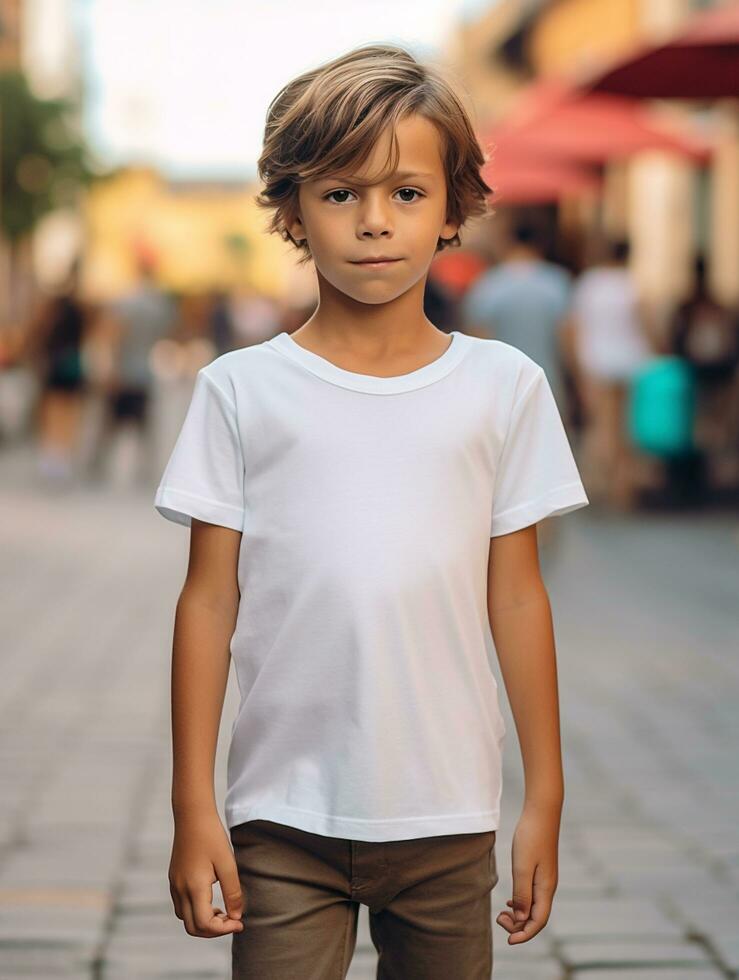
560 500
405 828
180 506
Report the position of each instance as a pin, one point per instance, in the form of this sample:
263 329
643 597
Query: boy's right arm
204 624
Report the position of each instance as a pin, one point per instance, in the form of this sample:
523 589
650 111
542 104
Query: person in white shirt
611 343
362 496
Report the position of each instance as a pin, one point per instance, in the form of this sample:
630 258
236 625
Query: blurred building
10 34
204 235
667 206
52 62
10 57
38 38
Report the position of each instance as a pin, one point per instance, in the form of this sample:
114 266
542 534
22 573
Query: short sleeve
537 476
204 477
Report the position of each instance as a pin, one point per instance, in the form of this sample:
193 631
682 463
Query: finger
505 920
176 900
228 877
539 917
207 922
542 905
524 932
187 916
523 879
203 912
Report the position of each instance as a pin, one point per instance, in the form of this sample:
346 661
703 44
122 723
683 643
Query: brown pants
429 904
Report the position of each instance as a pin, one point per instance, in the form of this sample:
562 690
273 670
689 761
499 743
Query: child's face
344 221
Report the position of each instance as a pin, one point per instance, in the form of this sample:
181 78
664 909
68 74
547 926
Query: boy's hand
535 874
202 855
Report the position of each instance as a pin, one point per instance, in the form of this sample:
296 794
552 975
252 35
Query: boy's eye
412 190
401 191
326 197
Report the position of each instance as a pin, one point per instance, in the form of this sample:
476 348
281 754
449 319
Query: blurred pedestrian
135 323
255 316
706 334
523 301
221 323
54 345
610 344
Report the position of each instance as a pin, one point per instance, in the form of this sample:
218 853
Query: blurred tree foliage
43 160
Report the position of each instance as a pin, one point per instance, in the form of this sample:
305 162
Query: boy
341 484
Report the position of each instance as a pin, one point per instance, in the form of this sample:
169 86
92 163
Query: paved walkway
645 613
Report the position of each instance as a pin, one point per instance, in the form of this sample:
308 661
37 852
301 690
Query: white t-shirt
362 648
610 342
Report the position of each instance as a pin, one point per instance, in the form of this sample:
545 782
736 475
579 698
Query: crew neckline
323 368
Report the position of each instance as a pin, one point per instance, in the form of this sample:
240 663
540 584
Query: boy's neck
379 331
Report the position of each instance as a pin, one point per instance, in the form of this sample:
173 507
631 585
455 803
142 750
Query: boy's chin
372 294
378 289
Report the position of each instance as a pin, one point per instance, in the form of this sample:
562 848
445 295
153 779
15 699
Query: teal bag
661 407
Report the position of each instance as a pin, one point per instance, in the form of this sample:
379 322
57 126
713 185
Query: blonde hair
328 120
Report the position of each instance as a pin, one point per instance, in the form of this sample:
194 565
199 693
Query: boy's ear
450 229
295 227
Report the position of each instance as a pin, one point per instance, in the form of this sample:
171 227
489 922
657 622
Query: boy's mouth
376 263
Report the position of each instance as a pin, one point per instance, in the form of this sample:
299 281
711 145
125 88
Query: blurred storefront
515 45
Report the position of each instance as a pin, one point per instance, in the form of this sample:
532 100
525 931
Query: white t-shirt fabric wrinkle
362 648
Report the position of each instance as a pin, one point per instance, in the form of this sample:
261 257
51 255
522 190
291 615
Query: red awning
554 119
701 62
527 178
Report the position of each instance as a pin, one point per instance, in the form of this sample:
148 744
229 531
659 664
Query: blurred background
132 254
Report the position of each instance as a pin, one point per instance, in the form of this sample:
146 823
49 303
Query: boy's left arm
522 628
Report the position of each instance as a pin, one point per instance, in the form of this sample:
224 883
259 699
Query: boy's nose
374 219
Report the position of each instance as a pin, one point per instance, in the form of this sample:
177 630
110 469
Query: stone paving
646 620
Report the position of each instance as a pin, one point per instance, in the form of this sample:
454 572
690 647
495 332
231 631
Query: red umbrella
701 62
554 118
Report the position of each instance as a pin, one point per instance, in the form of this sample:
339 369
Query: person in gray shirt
144 315
130 328
524 301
